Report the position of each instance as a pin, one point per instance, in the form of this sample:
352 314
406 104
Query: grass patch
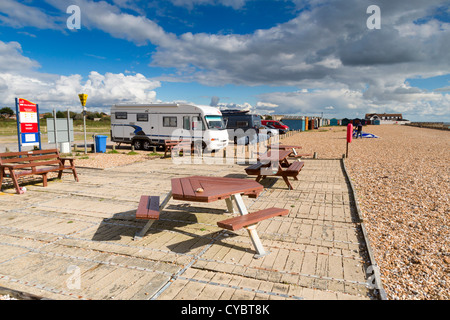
132 153
113 151
154 154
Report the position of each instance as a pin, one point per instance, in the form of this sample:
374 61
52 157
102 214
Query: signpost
28 127
349 136
60 131
83 98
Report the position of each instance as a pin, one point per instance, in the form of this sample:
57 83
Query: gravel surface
402 184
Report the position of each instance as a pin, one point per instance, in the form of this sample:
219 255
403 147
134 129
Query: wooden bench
249 219
177 146
149 209
36 162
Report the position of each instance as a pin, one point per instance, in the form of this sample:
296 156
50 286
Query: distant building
384 116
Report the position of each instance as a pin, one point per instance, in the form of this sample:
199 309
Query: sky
336 58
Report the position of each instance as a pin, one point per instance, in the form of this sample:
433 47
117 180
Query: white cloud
11 58
20 15
19 80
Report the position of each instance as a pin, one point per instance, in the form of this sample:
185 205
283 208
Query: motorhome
243 127
147 125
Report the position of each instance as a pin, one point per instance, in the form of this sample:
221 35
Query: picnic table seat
249 219
149 209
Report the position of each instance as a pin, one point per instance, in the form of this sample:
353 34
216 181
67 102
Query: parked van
243 127
276 124
146 125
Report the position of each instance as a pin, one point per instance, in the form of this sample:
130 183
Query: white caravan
146 125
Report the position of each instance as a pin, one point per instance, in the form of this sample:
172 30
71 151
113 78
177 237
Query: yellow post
83 98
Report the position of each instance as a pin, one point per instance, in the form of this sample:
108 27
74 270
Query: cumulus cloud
17 79
19 15
11 58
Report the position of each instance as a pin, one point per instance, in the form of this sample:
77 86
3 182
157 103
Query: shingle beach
402 185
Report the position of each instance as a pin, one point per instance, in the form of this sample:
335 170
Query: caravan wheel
137 144
147 145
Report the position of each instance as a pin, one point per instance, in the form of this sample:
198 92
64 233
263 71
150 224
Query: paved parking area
75 240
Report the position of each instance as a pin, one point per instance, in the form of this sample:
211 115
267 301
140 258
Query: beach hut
295 123
376 122
311 124
306 123
345 122
333 122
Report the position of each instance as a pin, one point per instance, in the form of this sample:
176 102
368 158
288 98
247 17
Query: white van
146 125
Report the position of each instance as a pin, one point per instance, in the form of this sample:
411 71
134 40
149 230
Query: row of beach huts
303 123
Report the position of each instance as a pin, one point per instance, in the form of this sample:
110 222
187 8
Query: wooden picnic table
208 189
275 163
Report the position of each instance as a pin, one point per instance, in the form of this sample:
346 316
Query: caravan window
240 124
121 115
215 122
197 123
170 122
186 123
142 117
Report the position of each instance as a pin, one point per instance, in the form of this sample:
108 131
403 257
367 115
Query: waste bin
64 147
100 144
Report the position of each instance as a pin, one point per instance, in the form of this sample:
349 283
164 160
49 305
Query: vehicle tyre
147 145
137 144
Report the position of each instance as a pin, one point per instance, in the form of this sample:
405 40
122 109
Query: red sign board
27 106
28 123
28 127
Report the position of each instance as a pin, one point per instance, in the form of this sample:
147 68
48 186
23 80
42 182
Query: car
269 130
282 128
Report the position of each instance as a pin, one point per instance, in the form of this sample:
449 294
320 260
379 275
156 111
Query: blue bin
100 144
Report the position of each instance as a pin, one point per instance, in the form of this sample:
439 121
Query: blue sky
303 57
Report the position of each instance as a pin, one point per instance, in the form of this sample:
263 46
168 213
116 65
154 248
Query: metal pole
54 125
68 128
346 154
19 133
84 123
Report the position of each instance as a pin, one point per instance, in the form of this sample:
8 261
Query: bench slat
240 222
33 164
29 158
148 208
